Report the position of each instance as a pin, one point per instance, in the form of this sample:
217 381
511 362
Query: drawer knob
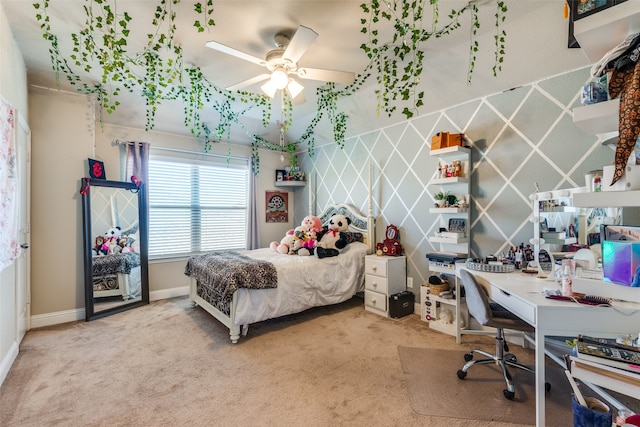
373 300
374 284
374 268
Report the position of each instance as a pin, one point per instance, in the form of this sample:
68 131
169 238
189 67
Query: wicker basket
436 289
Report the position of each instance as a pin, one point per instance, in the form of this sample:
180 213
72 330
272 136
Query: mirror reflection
546 264
116 274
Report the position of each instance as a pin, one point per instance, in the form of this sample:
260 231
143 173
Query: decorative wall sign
96 169
277 206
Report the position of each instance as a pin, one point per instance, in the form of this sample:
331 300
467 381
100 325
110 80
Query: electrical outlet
409 282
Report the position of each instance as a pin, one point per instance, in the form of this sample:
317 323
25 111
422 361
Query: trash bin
597 414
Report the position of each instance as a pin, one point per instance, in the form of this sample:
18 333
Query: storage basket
436 289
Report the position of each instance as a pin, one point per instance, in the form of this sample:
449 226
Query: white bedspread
303 282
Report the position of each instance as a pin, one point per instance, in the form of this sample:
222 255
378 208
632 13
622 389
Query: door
22 263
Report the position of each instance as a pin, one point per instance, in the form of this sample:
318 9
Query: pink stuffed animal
309 223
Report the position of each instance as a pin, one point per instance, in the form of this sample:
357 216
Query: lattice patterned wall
519 137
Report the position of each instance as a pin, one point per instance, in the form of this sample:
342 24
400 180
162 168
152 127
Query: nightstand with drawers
384 276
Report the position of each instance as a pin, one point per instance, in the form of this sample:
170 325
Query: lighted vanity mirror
115 244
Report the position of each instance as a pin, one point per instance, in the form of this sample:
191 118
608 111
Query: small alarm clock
391 244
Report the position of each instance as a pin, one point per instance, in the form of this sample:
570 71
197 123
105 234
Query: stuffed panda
331 240
110 241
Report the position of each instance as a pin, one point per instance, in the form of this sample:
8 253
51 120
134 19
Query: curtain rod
177 150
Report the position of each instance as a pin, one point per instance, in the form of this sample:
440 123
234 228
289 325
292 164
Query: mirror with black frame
115 247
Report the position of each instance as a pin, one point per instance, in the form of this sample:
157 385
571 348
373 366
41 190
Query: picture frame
96 169
280 174
277 206
457 225
579 9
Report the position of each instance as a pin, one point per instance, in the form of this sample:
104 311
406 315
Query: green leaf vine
399 63
157 72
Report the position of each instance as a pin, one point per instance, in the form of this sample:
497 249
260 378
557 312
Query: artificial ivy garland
397 66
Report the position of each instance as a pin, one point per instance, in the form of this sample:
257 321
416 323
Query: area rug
430 374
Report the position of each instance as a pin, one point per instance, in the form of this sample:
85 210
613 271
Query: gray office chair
494 315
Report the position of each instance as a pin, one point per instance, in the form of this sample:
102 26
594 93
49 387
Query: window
197 203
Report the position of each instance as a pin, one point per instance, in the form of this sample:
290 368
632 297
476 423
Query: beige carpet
428 382
170 364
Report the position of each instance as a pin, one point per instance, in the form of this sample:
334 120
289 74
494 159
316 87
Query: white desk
521 294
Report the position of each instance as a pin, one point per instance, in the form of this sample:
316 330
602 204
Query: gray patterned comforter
225 272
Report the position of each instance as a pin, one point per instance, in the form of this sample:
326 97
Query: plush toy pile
301 240
113 242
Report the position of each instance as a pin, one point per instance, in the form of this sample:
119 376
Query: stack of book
607 363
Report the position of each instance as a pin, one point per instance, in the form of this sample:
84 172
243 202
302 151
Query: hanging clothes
626 84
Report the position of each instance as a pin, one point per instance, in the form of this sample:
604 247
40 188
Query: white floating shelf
290 183
604 199
451 240
448 210
455 152
602 31
452 180
598 118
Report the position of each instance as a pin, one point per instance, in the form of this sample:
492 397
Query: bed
302 282
116 275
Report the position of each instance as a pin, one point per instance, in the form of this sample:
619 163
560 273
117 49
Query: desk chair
494 315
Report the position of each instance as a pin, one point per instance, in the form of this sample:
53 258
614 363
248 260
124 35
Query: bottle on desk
568 270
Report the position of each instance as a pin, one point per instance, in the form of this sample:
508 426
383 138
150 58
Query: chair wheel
547 387
462 374
508 394
468 357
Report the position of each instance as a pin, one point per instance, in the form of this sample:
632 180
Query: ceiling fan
282 63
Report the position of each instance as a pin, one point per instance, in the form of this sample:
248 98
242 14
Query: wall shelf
290 183
602 31
452 180
601 117
604 199
447 210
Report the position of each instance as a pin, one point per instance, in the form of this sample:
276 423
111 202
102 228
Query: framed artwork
277 206
579 9
457 225
280 174
96 169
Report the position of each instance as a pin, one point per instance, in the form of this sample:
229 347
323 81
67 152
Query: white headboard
359 222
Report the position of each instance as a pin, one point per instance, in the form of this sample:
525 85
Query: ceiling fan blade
300 99
345 77
249 82
302 39
235 52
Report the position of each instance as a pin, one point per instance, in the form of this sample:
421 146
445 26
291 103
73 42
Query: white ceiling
536 48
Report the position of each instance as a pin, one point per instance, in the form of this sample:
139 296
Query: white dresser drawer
376 266
376 283
525 311
375 300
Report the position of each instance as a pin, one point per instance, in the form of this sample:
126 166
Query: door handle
24 246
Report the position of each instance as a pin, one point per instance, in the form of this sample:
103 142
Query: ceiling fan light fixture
269 88
294 88
279 79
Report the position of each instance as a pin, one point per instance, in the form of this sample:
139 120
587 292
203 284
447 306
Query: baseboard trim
169 293
58 317
8 360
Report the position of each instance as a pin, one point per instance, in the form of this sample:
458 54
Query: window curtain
8 186
137 161
253 229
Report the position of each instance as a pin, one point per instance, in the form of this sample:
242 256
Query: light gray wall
518 137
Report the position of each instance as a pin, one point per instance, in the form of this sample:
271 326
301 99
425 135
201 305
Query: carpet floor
428 383
171 364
